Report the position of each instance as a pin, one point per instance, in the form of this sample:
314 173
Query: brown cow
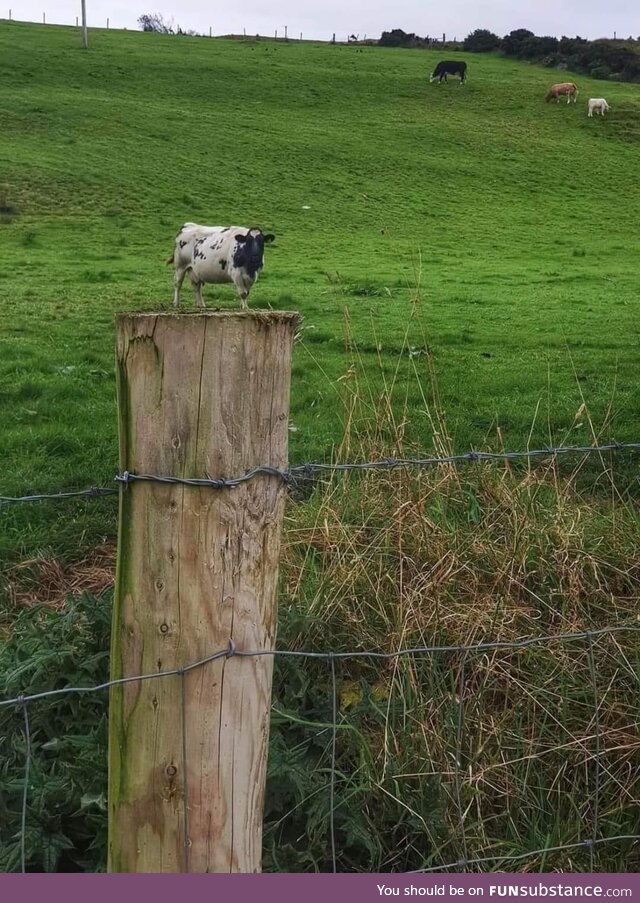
556 91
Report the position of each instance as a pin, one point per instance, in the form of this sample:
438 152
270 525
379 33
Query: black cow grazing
449 67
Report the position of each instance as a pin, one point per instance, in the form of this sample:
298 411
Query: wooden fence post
200 395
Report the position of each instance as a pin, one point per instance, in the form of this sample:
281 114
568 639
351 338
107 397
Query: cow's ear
269 237
241 238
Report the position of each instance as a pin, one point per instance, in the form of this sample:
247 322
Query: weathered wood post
202 395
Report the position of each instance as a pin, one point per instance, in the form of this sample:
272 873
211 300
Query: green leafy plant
46 649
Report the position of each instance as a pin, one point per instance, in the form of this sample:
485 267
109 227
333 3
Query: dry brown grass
506 750
48 581
515 749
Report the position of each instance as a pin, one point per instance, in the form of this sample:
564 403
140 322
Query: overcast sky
456 18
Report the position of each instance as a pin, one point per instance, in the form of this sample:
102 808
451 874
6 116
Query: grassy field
466 263
478 222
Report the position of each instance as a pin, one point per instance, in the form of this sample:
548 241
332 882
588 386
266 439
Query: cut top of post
184 377
263 316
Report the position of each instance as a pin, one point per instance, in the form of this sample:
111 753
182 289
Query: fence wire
498 860
303 472
291 476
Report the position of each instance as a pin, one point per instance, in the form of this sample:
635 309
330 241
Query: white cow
599 104
215 254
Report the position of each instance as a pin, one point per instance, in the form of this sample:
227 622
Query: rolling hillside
466 262
511 222
513 219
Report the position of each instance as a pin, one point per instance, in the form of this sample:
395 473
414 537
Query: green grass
511 220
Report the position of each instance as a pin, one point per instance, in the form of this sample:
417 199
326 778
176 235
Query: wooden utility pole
199 395
85 35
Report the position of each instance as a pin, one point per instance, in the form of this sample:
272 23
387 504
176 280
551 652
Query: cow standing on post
449 67
567 89
215 254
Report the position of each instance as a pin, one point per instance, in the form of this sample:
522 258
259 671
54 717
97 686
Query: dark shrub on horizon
481 41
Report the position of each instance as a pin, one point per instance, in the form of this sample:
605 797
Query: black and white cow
449 67
214 254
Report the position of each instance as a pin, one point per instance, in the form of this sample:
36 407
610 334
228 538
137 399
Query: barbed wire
232 650
23 700
301 472
584 844
92 492
308 471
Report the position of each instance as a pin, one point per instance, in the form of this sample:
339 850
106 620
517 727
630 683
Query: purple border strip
316 888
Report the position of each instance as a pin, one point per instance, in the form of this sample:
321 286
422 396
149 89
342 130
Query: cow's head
250 249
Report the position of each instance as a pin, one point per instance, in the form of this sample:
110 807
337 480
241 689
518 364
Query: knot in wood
171 771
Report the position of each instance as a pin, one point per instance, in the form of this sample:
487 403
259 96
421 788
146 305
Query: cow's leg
243 292
243 284
197 288
178 279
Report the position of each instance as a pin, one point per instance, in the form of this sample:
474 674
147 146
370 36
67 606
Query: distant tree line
610 59
399 38
617 60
